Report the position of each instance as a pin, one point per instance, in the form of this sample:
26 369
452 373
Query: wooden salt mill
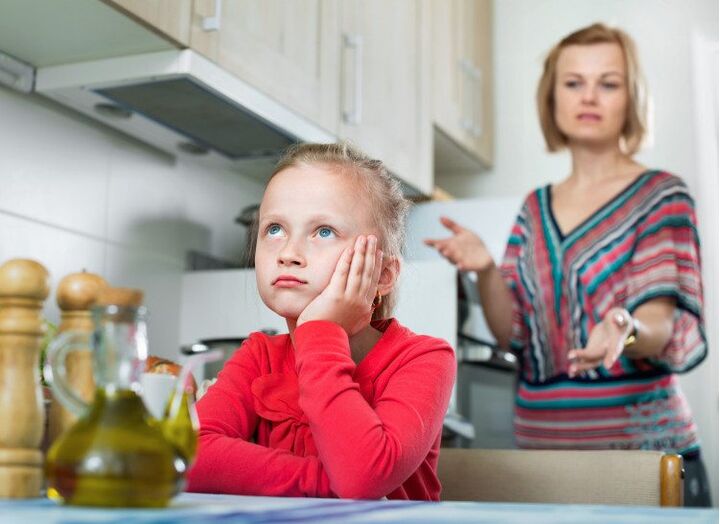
23 288
76 293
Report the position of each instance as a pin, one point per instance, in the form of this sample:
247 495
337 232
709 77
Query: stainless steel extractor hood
182 103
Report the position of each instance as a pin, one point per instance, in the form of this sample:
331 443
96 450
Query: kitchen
77 194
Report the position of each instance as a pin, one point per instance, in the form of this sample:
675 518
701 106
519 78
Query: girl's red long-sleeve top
304 420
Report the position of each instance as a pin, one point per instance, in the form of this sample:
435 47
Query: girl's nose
291 255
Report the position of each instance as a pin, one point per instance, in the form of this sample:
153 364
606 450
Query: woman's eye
325 232
572 84
274 230
610 86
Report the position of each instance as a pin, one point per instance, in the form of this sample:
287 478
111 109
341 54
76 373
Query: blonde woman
599 292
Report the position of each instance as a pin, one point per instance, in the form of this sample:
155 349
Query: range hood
180 102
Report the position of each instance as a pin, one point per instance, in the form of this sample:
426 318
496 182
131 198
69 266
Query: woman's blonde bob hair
635 126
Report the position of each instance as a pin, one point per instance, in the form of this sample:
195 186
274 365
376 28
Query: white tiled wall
75 195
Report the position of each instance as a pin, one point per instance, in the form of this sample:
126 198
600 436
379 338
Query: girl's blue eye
325 232
274 230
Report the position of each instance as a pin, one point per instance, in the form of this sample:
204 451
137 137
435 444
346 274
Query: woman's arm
496 304
654 327
653 322
664 288
468 252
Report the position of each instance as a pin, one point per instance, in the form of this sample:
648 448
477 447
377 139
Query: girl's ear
388 275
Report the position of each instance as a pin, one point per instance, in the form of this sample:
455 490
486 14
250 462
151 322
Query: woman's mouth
589 117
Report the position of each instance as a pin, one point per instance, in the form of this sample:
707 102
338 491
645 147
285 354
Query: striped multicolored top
641 245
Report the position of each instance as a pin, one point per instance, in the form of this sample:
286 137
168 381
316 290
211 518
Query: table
204 508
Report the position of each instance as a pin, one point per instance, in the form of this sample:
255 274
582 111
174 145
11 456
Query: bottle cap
120 296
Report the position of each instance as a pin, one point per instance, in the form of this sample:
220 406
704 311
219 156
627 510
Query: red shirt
306 421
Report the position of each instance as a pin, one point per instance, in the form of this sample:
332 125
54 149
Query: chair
634 477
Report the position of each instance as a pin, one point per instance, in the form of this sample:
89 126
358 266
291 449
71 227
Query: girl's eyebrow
313 219
325 218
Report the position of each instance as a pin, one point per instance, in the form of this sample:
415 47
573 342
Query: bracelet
622 321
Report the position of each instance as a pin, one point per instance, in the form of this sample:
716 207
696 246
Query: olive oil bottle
117 454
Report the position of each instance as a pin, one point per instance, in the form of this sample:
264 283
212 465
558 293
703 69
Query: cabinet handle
466 97
212 23
355 43
477 114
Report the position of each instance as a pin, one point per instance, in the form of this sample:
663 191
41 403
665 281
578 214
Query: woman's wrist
485 269
624 320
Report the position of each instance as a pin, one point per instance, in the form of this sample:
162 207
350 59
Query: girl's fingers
369 269
375 279
354 279
339 278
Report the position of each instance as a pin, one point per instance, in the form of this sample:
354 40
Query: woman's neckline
551 212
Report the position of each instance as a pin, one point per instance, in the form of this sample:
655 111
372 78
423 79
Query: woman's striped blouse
641 245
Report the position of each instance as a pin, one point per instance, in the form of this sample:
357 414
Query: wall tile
61 252
160 279
54 164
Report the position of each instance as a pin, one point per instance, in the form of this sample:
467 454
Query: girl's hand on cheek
347 299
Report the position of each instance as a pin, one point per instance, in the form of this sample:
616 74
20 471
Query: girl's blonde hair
635 126
380 190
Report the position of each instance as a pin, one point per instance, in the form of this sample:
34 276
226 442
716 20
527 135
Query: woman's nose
291 255
589 94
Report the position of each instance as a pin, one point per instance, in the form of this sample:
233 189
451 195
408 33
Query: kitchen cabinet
171 18
385 104
462 75
360 69
285 48
354 67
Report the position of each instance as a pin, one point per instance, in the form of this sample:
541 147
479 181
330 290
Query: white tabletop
202 508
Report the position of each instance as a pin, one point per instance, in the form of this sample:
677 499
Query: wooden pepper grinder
23 288
76 293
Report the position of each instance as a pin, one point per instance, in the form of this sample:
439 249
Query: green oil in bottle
115 455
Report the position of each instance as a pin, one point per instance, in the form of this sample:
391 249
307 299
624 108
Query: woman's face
591 93
308 216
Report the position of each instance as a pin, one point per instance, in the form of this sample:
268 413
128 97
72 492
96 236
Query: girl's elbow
358 490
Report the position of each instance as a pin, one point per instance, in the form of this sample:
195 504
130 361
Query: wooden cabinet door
288 49
462 74
169 18
478 15
384 88
449 79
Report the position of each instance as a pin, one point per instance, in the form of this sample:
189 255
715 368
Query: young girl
349 403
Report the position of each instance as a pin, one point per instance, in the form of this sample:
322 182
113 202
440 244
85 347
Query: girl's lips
288 283
589 116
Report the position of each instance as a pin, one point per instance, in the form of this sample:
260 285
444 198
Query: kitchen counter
196 507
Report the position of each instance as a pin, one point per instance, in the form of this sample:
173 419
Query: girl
599 291
349 403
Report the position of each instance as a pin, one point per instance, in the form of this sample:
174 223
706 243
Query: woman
599 292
